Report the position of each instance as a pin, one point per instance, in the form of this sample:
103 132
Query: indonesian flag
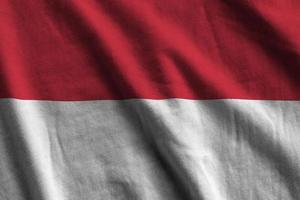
149 100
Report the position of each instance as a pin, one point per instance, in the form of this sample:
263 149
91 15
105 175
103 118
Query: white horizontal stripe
150 149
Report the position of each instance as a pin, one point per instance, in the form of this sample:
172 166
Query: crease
213 31
21 154
100 47
196 58
65 161
190 189
33 151
274 44
176 176
267 147
15 156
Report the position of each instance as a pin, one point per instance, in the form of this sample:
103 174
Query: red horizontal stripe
119 49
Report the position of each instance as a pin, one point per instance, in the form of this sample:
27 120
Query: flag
149 100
